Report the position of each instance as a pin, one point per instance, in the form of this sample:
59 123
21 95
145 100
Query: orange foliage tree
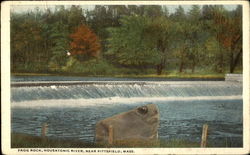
85 43
229 34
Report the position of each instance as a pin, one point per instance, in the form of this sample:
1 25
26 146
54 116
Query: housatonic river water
72 110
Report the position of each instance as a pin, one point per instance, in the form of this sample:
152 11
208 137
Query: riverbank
19 140
170 75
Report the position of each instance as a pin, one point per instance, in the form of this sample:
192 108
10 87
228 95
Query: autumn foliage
127 39
85 43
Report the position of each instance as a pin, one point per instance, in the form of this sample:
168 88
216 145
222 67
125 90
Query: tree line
127 39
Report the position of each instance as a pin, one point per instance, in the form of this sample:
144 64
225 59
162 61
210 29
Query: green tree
180 41
99 19
195 36
211 48
153 11
127 44
26 41
141 42
60 46
75 17
158 35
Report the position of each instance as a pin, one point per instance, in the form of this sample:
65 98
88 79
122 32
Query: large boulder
137 124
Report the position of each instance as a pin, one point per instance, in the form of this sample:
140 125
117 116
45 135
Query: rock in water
140 124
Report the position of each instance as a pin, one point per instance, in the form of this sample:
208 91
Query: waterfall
109 90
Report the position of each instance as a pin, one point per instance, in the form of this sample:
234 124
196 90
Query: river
72 109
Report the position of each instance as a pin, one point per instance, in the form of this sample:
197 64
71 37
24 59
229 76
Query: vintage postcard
125 77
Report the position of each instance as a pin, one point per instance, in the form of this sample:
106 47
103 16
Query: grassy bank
170 75
27 141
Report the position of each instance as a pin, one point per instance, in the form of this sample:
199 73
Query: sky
25 8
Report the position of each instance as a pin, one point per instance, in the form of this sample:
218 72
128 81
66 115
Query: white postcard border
5 82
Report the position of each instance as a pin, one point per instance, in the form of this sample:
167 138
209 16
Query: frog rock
138 124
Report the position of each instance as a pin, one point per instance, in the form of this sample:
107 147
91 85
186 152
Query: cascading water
72 110
131 90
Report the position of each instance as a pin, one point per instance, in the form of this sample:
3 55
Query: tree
228 31
195 36
211 48
153 11
99 19
85 44
60 46
180 40
75 17
236 42
128 46
232 38
141 42
137 37
159 35
26 41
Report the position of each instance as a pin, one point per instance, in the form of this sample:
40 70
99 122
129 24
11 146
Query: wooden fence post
204 136
44 129
111 135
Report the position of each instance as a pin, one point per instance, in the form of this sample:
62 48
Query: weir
234 77
25 91
69 83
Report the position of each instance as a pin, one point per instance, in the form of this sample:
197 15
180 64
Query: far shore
170 75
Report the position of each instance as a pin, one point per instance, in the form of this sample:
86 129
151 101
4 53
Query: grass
166 75
27 141
33 74
175 75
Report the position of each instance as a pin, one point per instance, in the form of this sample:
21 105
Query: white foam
113 100
53 87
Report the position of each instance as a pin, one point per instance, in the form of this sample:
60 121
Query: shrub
90 67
